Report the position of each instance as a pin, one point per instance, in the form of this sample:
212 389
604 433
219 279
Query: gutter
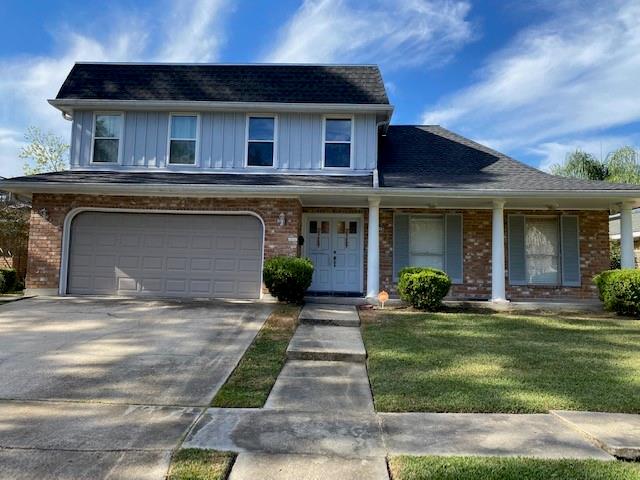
67 105
331 190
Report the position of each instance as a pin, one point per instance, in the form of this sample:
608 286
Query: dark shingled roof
431 157
338 84
218 179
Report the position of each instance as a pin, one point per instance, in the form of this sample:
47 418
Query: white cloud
395 33
575 75
27 82
203 36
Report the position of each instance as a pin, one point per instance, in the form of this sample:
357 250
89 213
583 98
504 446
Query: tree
620 166
48 152
581 164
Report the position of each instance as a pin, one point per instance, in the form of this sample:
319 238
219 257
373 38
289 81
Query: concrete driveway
106 388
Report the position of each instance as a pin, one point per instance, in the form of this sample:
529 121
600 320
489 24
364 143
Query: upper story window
106 137
261 141
337 142
183 139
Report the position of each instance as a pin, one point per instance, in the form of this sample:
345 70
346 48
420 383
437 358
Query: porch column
497 253
373 249
627 259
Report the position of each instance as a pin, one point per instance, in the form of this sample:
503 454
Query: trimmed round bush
288 278
619 290
423 288
10 277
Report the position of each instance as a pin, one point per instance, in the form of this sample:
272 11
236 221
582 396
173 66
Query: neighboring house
614 231
185 177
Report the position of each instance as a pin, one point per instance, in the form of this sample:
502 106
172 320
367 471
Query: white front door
334 245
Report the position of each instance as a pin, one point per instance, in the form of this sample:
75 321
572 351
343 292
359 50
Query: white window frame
324 139
444 237
558 282
274 162
196 160
120 137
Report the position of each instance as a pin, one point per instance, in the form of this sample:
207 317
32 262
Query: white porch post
497 253
373 249
627 259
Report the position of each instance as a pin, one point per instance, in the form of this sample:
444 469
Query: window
542 251
337 142
260 141
426 242
182 139
106 137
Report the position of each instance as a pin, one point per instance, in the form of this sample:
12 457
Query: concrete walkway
319 421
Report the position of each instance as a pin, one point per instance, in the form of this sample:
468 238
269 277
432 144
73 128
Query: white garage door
165 255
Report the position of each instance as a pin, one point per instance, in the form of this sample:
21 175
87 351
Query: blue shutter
517 261
570 244
453 247
400 243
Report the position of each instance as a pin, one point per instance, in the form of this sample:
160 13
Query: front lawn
250 383
196 464
504 468
515 363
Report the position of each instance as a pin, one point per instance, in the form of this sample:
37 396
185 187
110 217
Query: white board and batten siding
221 141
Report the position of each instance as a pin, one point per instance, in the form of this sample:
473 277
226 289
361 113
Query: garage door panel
165 254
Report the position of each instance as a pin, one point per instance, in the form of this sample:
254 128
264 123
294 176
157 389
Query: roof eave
68 105
28 187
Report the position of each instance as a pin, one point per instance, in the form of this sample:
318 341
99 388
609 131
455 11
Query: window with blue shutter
428 241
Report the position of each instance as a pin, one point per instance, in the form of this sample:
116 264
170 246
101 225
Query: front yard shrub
620 290
288 278
9 280
423 288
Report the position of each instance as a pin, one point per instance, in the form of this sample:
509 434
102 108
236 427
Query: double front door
334 245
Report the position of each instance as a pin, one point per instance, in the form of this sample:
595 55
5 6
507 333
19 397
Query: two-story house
184 178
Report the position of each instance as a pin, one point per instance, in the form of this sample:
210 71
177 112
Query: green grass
195 464
471 362
494 468
250 383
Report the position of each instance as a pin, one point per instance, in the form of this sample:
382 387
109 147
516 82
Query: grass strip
508 468
197 464
251 381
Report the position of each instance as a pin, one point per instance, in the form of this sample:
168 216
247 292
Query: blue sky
533 79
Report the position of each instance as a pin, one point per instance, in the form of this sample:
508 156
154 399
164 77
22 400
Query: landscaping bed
498 362
250 383
505 468
195 464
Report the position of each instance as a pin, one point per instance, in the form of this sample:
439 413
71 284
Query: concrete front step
253 466
321 314
314 386
329 343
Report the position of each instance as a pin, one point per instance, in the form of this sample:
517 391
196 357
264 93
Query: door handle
334 260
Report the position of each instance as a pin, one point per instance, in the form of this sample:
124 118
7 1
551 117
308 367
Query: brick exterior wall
49 212
45 240
594 254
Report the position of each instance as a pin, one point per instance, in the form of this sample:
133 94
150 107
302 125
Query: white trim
616 236
274 160
67 105
324 141
66 232
120 138
307 216
196 160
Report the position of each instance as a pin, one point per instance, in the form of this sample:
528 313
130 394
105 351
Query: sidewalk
319 421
